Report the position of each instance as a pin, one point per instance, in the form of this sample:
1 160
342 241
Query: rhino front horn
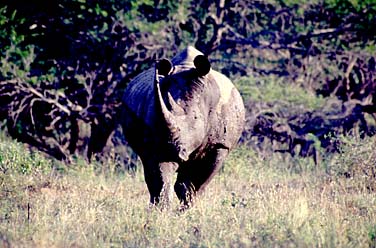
202 65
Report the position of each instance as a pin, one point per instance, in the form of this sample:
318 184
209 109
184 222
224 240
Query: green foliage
272 89
8 32
372 236
15 60
15 157
16 63
345 7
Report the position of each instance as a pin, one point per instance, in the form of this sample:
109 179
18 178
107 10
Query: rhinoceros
181 117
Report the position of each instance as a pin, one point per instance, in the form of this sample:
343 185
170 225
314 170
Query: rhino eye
164 67
202 65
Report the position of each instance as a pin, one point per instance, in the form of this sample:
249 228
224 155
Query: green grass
254 202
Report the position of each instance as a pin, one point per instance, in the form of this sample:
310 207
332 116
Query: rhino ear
164 67
202 65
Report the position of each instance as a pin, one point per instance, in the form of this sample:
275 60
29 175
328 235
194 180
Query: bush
16 157
285 117
356 161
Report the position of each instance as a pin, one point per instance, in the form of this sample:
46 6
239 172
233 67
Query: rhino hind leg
194 176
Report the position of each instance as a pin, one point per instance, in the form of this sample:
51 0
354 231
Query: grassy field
256 201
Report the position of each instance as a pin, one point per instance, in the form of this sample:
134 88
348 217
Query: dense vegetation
307 70
304 174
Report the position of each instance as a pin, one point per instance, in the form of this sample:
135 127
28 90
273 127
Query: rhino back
139 97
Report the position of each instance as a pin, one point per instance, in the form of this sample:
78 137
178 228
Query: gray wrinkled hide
208 113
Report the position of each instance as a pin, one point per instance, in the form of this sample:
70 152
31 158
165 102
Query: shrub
356 161
16 157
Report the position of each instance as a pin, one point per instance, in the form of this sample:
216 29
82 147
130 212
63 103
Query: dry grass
254 202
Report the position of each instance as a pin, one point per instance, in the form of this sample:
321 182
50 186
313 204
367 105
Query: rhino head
175 115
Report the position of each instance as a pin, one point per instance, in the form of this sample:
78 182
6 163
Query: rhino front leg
194 176
153 181
158 177
168 170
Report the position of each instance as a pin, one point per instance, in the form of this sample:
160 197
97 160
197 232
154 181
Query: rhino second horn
176 108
